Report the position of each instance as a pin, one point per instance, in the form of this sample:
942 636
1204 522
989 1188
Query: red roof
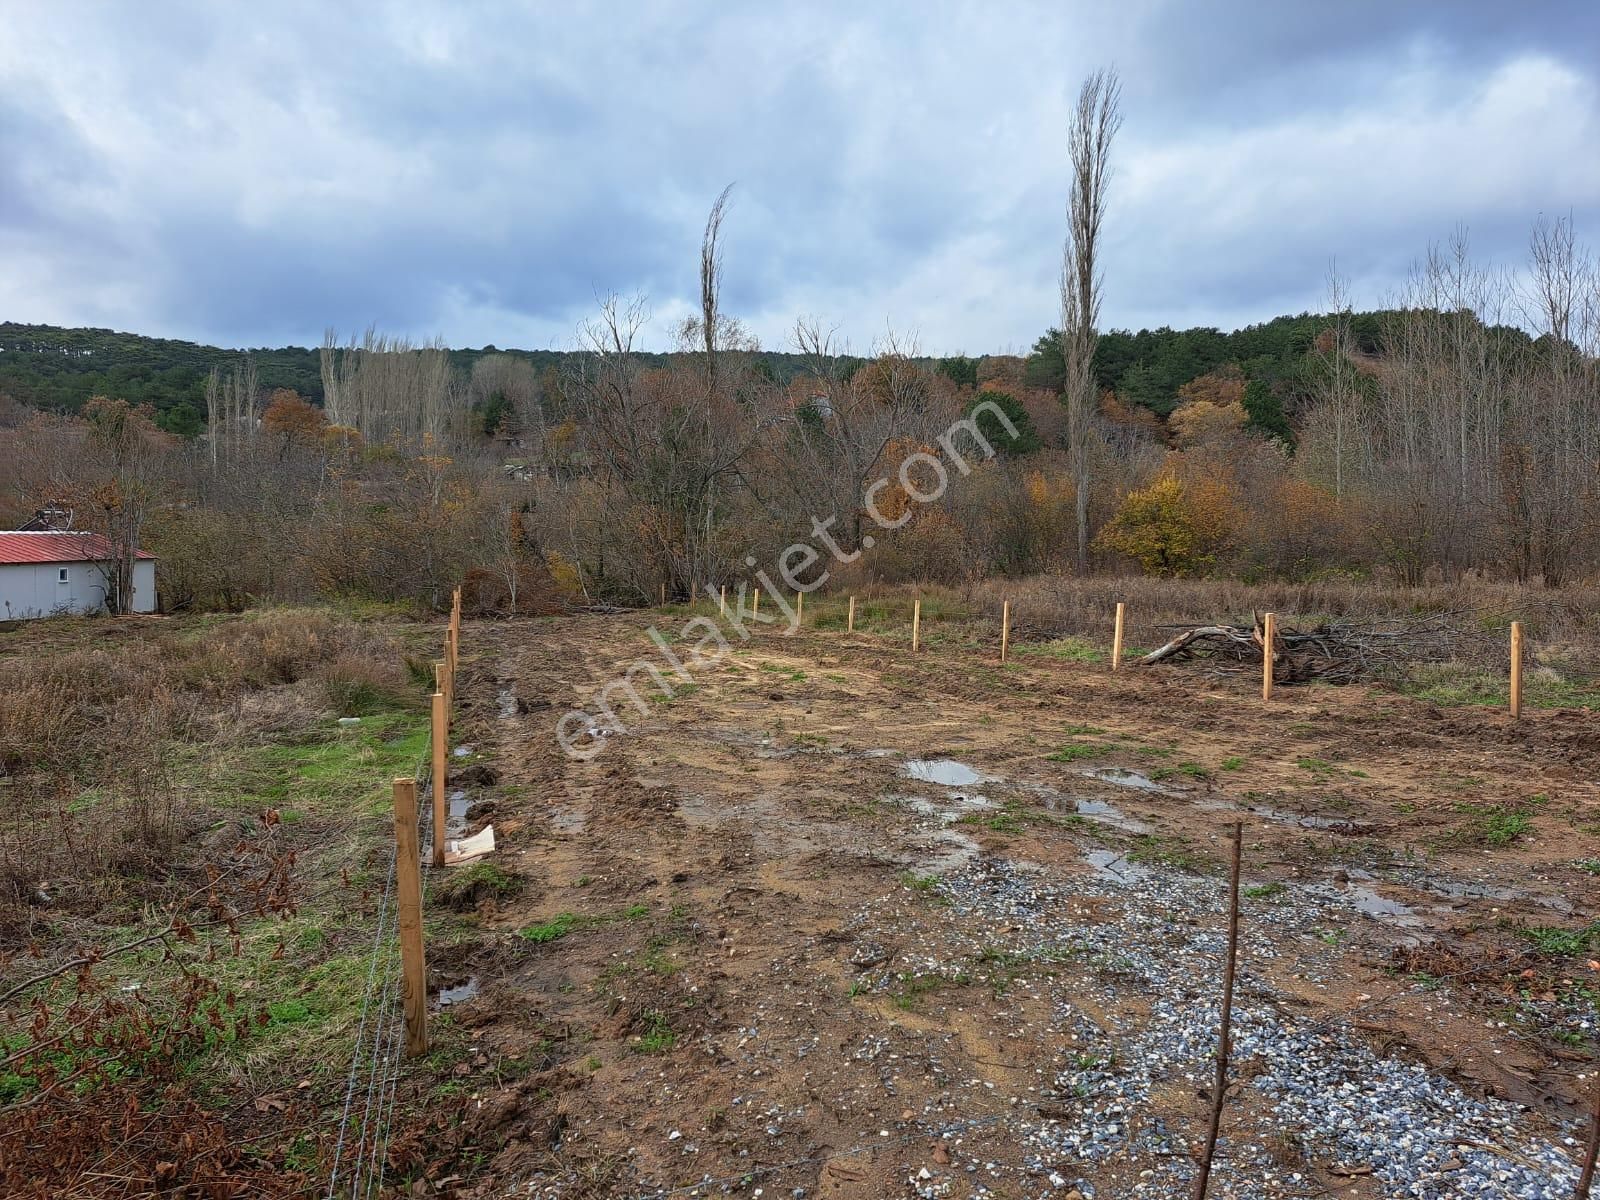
56 548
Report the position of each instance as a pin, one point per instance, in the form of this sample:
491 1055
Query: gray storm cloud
249 178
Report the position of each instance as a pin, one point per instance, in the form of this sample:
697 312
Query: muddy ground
762 947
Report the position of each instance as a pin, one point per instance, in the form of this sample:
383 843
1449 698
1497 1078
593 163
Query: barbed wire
370 989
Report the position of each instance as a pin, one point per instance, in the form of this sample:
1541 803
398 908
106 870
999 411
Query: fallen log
1184 640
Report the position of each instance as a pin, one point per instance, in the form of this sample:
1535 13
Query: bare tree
711 283
391 390
839 427
673 439
1340 386
1095 122
1550 460
231 409
125 477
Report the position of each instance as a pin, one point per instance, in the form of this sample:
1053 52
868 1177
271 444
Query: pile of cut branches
1332 651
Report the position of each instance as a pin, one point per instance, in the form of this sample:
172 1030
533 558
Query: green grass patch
465 890
1264 891
1491 825
792 672
1075 751
657 1037
555 928
913 989
1066 649
560 925
1565 943
347 769
1165 850
1455 684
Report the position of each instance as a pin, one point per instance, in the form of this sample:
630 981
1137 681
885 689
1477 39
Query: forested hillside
59 369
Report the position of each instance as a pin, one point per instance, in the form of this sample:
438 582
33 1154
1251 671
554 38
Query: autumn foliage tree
1169 528
293 421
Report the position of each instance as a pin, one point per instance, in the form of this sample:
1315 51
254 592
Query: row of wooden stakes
408 857
1269 637
916 620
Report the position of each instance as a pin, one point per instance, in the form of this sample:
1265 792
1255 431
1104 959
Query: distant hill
59 369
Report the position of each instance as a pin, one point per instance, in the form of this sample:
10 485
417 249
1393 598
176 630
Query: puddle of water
1487 891
946 771
1368 901
463 751
459 994
1086 806
1114 864
1123 777
1309 820
568 820
948 809
455 817
1100 810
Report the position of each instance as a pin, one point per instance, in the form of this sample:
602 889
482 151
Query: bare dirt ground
755 954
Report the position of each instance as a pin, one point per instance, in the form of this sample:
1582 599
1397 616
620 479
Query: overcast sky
249 174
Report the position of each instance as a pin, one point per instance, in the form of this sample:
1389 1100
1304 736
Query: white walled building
49 572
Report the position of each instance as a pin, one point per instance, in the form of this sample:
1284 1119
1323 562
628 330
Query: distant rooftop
27 546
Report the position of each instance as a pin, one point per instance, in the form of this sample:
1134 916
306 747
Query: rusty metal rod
1224 1034
1587 1178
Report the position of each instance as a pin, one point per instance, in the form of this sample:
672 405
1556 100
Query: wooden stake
1219 1085
663 595
439 670
441 747
916 622
1116 638
722 601
1516 670
1269 636
850 621
1005 628
408 889
755 603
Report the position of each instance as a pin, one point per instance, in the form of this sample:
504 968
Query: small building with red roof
55 571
